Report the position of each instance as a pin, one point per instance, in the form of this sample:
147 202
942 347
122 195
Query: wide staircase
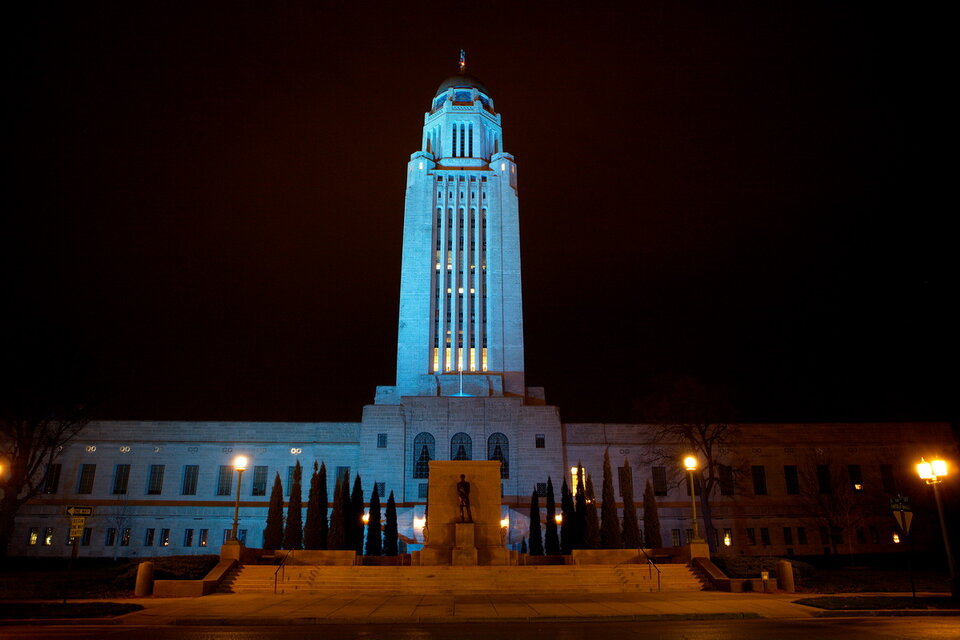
527 580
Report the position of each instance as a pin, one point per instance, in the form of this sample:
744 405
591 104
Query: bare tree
29 442
119 518
828 500
694 419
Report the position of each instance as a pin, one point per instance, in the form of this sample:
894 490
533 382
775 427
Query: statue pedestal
465 550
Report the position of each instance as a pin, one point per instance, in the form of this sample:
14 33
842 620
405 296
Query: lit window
503 166
48 536
34 536
459 289
125 537
421 166
164 537
204 534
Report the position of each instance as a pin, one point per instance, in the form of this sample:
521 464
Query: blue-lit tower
461 320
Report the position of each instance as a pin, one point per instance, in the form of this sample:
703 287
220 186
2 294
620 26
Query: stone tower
461 321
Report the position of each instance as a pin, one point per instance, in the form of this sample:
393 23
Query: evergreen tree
322 481
610 521
551 541
536 540
568 526
390 536
374 535
651 519
592 527
356 516
631 528
345 518
273 533
311 529
335 536
581 519
293 532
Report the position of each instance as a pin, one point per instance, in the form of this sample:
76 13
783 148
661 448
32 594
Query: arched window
498 448
461 447
424 450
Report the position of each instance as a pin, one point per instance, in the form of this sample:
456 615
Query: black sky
205 204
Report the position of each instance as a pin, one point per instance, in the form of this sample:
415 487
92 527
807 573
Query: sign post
78 518
903 514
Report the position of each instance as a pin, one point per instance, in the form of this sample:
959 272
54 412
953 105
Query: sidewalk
258 609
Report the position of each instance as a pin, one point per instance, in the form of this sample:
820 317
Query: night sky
204 208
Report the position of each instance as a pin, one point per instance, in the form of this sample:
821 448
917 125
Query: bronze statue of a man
463 492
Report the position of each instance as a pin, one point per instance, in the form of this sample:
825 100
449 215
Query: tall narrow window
540 441
726 480
887 479
51 480
498 448
659 481
824 484
424 450
224 476
856 477
189 485
155 480
791 477
85 482
259 481
624 478
121 476
759 480
461 447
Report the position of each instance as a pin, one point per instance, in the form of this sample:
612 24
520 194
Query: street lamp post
240 464
690 464
931 473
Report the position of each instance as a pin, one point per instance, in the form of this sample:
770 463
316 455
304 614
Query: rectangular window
726 480
190 474
164 537
824 485
48 536
121 476
111 537
887 480
765 536
202 540
226 535
752 536
874 534
188 537
696 485
259 481
224 476
422 490
341 472
125 537
155 480
34 536
542 489
759 480
801 535
674 537
856 477
540 441
85 481
242 536
85 537
659 481
289 486
381 489
791 476
727 537
148 538
861 536
824 535
51 479
787 535
381 441
624 478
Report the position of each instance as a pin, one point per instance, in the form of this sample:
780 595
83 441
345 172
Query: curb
891 613
655 617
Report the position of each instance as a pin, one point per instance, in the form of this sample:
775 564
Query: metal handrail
281 568
651 565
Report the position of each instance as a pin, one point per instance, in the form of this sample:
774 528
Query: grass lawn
869 579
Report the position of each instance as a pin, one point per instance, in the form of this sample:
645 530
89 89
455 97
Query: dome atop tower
461 81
